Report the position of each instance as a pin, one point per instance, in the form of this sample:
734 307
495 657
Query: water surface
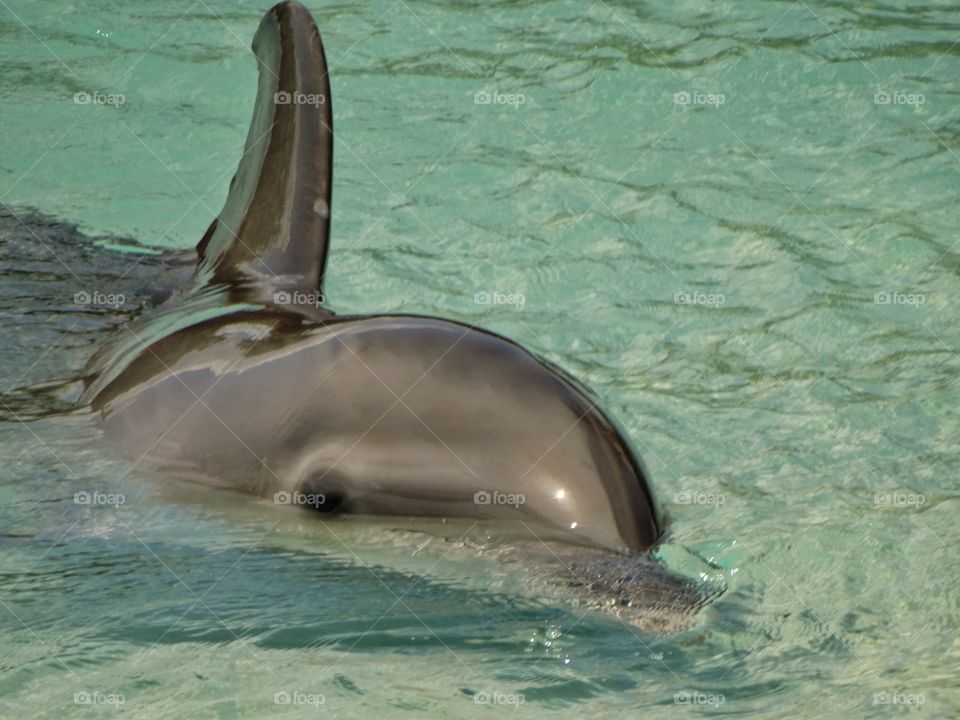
735 220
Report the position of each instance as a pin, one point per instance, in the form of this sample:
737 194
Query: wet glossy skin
393 415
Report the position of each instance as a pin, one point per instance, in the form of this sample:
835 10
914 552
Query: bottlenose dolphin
244 379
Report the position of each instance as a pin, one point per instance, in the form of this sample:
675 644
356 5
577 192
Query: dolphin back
275 224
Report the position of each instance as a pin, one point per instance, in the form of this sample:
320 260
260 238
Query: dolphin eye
328 502
321 492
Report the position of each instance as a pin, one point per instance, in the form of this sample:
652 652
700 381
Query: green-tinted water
736 221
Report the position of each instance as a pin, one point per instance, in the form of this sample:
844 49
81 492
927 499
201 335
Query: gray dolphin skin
244 380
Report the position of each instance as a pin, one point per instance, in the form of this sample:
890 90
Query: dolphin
245 379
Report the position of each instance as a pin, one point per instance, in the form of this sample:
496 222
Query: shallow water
735 221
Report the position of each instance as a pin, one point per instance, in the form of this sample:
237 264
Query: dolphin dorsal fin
275 225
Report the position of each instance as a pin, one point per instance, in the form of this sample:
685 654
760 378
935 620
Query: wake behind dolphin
245 380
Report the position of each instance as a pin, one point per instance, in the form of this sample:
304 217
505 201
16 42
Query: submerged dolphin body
244 380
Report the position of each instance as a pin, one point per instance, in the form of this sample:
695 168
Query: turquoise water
736 221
